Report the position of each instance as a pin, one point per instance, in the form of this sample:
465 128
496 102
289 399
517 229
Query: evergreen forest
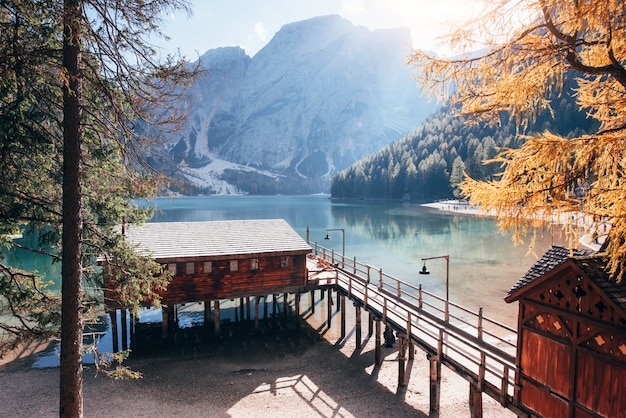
429 163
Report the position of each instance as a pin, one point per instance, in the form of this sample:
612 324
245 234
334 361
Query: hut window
284 261
171 267
207 267
254 264
189 268
234 265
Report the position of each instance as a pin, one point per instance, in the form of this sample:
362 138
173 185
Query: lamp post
447 258
343 242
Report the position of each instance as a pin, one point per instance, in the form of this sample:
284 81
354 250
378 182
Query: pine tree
76 77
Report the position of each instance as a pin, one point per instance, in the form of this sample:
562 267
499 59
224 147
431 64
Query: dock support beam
207 312
217 317
297 310
329 309
402 375
357 314
285 303
123 318
113 315
343 318
312 301
169 320
378 359
256 312
435 383
476 401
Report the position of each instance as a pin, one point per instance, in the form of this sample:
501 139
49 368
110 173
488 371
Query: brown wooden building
571 337
224 259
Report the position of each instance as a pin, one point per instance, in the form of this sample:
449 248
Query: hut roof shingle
593 266
167 240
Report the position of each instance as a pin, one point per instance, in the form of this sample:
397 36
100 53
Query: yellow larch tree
533 50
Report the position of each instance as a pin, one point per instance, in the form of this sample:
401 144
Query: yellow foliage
532 50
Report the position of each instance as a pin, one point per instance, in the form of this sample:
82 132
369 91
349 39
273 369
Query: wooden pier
475 347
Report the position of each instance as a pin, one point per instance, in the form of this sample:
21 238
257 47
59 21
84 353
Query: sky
251 24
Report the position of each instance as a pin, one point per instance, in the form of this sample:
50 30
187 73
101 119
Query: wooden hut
213 261
571 350
223 259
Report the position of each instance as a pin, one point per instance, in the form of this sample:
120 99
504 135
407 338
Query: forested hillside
429 163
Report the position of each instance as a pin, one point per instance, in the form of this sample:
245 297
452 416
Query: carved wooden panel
577 294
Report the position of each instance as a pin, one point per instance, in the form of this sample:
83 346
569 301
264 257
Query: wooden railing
480 349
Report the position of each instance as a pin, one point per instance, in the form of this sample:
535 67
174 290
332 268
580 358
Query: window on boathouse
171 267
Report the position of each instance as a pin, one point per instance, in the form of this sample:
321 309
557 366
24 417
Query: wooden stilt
133 328
476 401
133 323
256 313
274 297
329 312
343 317
247 308
265 307
123 319
241 308
285 304
297 309
312 301
435 383
207 312
216 310
370 325
411 349
165 322
378 360
338 300
172 321
357 319
402 346
113 316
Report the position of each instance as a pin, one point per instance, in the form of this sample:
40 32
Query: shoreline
587 239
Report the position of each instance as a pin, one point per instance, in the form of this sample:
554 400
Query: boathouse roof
584 261
555 256
176 240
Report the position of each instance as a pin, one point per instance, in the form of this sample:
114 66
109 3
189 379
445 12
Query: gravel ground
276 372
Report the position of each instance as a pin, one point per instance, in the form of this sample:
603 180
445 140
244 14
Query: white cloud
262 32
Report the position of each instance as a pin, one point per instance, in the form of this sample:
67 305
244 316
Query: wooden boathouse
216 260
571 349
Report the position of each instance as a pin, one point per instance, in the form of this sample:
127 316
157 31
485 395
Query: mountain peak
322 94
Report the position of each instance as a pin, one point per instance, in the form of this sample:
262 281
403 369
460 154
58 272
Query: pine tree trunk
71 374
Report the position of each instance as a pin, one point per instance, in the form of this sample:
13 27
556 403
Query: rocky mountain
318 97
